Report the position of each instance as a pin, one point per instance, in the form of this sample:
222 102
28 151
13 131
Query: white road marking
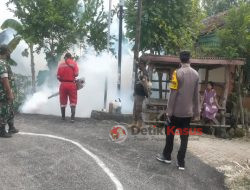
97 160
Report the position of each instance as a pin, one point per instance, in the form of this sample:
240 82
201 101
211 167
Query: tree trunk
32 65
137 41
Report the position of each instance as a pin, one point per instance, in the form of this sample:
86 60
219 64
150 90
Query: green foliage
14 43
11 23
167 26
213 7
12 62
50 24
235 35
92 26
15 25
23 87
18 27
57 25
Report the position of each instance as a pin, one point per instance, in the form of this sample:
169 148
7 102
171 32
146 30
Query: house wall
215 75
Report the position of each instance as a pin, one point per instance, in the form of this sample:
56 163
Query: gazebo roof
203 62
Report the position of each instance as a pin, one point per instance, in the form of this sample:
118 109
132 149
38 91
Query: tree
167 26
50 24
57 25
93 26
235 35
235 42
18 27
213 7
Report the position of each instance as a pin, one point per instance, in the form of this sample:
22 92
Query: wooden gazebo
165 65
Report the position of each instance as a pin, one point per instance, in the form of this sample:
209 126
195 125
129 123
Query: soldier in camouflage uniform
6 94
12 82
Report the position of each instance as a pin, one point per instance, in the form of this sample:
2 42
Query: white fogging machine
80 83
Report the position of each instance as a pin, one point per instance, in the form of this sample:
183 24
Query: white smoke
94 68
34 103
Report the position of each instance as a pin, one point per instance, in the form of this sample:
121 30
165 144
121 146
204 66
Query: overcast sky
5 13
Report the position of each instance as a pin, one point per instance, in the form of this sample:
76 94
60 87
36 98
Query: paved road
31 162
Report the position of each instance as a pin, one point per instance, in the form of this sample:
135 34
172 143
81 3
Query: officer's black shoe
13 130
4 134
180 166
162 158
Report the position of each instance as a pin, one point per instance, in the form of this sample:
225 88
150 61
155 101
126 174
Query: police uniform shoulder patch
174 81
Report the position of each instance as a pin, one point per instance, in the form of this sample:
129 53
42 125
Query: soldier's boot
134 124
63 112
3 132
12 128
73 112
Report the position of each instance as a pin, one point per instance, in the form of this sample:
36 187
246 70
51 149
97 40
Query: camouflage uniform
6 108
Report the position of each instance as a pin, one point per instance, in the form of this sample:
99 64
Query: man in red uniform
66 74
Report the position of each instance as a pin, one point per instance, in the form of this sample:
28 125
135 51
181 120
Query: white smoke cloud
94 69
35 101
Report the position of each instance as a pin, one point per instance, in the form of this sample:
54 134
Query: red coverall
66 73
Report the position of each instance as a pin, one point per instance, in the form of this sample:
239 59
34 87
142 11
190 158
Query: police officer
183 105
6 94
66 74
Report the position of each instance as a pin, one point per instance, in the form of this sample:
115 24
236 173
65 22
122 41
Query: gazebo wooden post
207 75
160 84
225 95
168 78
150 72
239 95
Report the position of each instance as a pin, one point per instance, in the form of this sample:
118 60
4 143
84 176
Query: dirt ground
31 161
232 157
